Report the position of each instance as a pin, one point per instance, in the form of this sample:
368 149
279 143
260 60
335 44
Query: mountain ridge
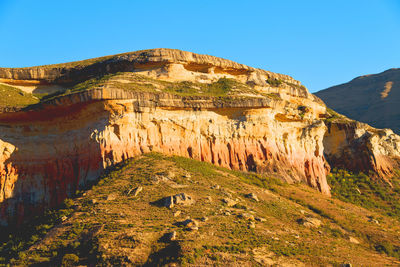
372 99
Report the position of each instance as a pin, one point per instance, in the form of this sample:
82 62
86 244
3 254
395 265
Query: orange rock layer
48 154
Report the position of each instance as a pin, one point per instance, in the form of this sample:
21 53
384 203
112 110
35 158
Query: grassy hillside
290 224
14 97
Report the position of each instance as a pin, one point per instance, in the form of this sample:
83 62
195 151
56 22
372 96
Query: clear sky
319 42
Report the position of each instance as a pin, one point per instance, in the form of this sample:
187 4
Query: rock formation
266 123
356 146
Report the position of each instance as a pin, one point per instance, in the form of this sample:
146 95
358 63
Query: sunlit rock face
50 151
47 154
357 146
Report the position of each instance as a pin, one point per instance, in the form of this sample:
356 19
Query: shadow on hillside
169 254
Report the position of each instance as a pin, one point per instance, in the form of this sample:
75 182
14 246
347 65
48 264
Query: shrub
274 82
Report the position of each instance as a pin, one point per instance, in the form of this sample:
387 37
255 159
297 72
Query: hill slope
281 224
373 99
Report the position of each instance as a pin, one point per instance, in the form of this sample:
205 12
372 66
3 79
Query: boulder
310 222
229 202
252 196
135 191
178 199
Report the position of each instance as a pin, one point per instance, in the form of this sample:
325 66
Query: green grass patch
274 82
14 97
362 190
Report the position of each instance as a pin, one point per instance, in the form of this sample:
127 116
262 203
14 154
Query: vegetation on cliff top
223 87
14 97
108 225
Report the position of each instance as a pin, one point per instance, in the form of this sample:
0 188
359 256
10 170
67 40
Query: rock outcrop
356 146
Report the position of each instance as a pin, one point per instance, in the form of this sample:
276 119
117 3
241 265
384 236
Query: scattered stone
252 196
93 201
178 199
168 237
216 187
193 228
260 219
310 222
303 212
252 225
172 236
247 216
177 213
155 179
229 195
187 175
135 191
204 219
320 232
111 197
189 223
169 202
64 218
183 199
229 202
374 221
353 240
209 198
227 213
297 236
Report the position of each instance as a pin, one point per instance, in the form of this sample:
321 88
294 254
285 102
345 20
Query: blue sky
320 43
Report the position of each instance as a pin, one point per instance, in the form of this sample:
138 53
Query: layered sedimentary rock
264 122
52 149
48 153
357 146
170 63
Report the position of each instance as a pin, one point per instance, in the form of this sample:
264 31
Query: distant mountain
374 99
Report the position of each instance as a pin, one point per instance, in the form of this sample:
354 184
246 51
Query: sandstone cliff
109 109
53 148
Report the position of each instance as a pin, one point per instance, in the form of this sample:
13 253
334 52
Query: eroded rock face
48 152
359 147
